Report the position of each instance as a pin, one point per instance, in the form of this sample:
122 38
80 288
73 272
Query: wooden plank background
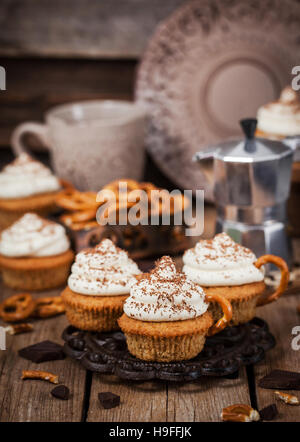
80 28
60 51
36 84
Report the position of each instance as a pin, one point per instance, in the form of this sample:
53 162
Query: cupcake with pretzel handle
35 254
99 284
225 268
166 316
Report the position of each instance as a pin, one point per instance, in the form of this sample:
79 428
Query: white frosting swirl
105 270
282 117
165 295
32 236
26 177
221 262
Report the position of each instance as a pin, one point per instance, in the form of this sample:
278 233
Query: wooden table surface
147 401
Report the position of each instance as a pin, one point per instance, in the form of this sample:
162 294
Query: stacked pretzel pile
82 208
22 307
118 196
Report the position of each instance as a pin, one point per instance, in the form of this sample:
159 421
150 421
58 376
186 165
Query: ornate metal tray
222 355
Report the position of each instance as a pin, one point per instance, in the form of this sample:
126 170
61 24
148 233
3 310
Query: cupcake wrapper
243 310
165 349
94 320
93 313
36 279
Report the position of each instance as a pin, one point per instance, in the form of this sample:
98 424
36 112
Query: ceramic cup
91 143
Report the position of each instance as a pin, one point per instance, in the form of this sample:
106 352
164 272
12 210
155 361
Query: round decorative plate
223 354
210 64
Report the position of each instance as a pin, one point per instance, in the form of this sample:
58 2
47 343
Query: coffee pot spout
205 159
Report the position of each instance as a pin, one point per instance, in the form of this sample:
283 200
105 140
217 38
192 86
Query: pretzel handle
285 275
227 313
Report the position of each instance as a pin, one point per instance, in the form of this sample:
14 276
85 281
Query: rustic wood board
145 401
106 28
167 402
203 401
30 400
281 317
159 401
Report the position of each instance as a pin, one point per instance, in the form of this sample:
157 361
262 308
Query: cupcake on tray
166 316
26 185
223 267
98 286
35 254
281 118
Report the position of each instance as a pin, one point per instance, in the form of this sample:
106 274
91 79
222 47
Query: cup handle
38 129
285 274
227 313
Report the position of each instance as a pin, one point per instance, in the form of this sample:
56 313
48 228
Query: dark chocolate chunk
42 352
108 399
281 380
269 413
61 392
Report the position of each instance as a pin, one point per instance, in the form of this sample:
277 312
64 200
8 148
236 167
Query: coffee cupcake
223 267
166 316
276 121
280 118
35 254
98 286
26 185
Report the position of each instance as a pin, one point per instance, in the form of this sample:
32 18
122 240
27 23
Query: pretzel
17 329
40 375
133 189
120 200
289 399
115 207
75 200
147 186
66 186
83 225
227 313
80 216
284 280
115 185
17 308
83 206
48 307
239 413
